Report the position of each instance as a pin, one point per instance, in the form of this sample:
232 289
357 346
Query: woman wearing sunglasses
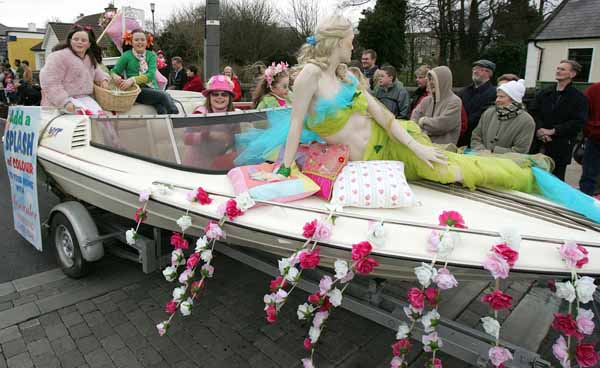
210 147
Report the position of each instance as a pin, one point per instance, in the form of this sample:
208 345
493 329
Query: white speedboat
85 165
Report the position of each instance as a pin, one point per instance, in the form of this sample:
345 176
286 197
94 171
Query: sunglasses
219 94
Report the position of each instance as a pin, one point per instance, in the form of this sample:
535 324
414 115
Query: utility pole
212 39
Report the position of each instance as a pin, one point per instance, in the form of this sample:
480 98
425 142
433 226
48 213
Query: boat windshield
203 143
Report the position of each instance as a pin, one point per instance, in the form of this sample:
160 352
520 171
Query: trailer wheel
66 244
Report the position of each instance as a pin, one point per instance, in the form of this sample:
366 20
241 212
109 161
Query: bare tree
304 16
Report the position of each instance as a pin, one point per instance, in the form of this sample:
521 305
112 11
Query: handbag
579 151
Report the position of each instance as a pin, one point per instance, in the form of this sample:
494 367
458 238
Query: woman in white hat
505 127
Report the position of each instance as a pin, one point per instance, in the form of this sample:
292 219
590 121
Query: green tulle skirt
492 171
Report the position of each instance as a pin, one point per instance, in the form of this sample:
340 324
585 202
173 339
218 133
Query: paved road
18 258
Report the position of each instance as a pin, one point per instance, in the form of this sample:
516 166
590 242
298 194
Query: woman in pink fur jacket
67 78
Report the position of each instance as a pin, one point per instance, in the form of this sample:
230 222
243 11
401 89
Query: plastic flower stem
140 221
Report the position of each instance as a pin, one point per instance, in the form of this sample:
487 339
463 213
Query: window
583 57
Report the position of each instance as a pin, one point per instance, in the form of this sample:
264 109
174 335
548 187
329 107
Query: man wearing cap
477 97
560 112
505 127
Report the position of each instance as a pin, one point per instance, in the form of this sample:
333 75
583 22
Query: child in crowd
273 90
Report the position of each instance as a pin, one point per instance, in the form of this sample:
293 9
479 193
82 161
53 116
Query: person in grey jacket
438 114
391 93
505 127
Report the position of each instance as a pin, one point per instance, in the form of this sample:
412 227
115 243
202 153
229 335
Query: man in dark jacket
591 157
560 112
477 97
369 67
392 94
177 77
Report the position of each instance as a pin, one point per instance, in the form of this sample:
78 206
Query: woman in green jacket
138 65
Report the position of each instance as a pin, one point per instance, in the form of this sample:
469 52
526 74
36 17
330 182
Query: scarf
142 60
509 112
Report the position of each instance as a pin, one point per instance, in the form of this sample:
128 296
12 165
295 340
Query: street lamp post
152 5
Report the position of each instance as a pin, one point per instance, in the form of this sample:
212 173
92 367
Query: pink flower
179 242
314 298
401 347
433 296
585 355
310 260
271 311
196 287
307 344
309 229
145 196
320 317
171 307
396 362
307 363
416 298
431 342
140 215
497 266
434 363
499 355
452 219
444 279
231 210
565 324
323 231
213 231
325 285
190 196
585 321
193 261
434 241
561 352
361 250
326 305
202 197
573 254
497 300
366 265
278 283
510 255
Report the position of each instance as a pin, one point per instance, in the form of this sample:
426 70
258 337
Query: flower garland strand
501 258
189 290
578 323
307 257
321 304
441 244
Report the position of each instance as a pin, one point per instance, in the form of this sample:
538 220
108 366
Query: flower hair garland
128 38
273 70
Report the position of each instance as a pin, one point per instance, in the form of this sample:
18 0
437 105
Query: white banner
20 152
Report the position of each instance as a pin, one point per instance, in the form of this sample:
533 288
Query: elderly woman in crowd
505 127
67 79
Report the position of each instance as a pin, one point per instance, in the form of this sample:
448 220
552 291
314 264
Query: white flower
304 311
585 289
206 255
511 237
335 297
178 293
341 269
283 264
145 195
403 331
184 222
565 290
491 326
307 363
269 298
292 274
177 258
201 244
186 307
186 276
376 234
431 342
447 243
334 206
130 236
170 273
162 328
430 320
412 313
425 273
280 296
313 334
207 270
244 201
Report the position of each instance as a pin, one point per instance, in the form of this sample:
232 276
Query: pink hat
218 83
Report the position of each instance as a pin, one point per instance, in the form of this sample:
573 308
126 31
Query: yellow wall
555 51
21 49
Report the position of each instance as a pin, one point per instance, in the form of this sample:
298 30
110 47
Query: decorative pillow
323 163
262 183
373 184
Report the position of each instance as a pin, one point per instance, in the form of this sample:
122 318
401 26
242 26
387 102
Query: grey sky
18 13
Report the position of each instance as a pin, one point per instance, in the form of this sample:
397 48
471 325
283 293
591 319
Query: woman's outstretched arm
386 119
305 87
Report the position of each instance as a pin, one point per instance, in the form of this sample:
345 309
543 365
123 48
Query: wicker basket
112 100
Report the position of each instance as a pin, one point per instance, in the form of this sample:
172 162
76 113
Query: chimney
31 27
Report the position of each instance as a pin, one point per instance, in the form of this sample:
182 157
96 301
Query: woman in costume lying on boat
328 101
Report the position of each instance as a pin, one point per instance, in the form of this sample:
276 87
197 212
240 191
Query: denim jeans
591 168
162 102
